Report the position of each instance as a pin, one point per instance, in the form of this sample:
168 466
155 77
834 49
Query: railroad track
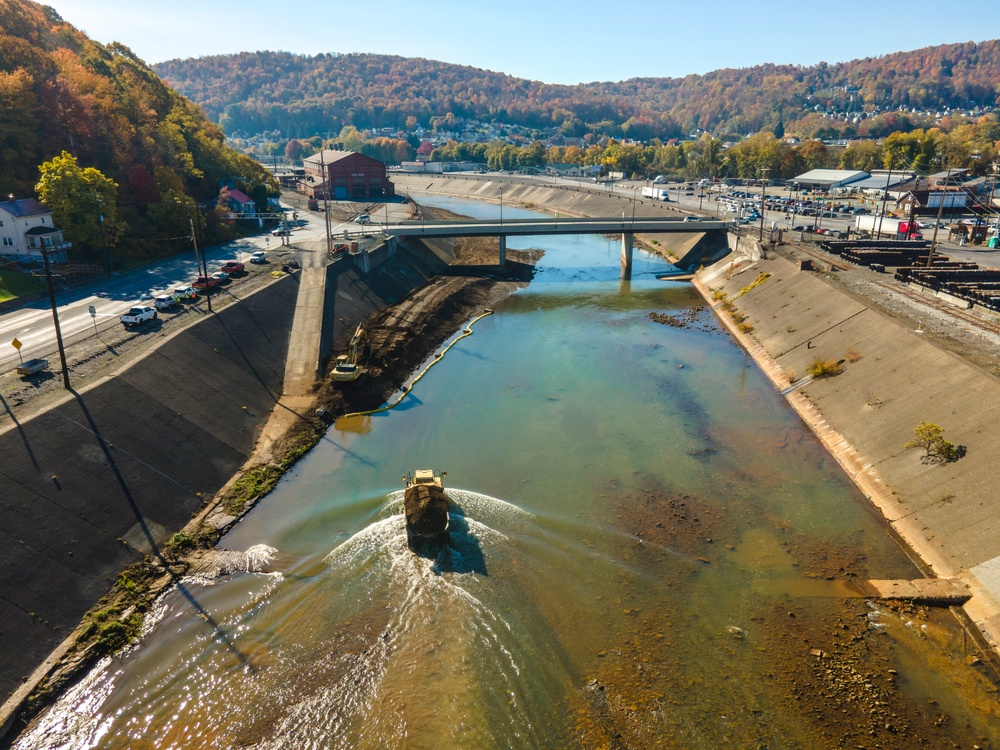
903 291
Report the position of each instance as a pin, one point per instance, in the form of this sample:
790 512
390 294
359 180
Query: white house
26 228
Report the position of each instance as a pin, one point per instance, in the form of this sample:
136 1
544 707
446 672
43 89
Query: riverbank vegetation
71 107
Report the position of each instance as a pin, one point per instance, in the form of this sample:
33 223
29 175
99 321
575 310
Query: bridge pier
628 243
503 251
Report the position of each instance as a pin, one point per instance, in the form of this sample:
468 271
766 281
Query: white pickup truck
138 315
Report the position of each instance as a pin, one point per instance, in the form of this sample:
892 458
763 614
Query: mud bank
890 378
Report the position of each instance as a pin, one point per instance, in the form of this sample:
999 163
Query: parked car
220 276
164 302
186 292
364 218
258 257
232 267
281 232
204 283
137 315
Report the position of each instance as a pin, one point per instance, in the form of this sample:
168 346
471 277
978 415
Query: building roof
43 231
882 181
951 174
831 176
240 197
329 157
24 207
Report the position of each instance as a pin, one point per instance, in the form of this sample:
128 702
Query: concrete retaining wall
892 379
85 486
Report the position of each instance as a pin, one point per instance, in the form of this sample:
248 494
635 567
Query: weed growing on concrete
257 481
737 316
853 355
761 278
718 294
937 450
789 329
871 399
823 368
745 327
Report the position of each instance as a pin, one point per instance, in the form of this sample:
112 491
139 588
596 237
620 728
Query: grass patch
257 481
718 294
824 368
14 284
745 327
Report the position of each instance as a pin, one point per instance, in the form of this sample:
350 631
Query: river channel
648 550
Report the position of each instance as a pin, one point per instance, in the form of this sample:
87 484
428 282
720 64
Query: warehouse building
350 176
829 179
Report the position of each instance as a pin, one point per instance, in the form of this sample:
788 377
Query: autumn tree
81 199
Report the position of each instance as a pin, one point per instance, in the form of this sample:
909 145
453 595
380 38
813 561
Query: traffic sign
93 311
16 344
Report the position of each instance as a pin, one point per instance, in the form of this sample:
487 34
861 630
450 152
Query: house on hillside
241 203
348 176
26 231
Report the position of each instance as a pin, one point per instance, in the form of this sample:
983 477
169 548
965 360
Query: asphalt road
32 325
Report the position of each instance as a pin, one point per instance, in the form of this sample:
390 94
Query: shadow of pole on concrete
221 634
20 431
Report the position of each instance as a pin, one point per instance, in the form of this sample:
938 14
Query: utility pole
885 197
104 241
763 185
326 202
194 241
947 174
55 318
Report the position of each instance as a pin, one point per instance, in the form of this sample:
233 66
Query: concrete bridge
624 225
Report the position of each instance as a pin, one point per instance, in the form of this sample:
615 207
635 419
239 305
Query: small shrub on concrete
853 355
823 368
745 327
718 294
937 450
761 278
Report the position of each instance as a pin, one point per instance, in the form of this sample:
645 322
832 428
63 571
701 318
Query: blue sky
554 42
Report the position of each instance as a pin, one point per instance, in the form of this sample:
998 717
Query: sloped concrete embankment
891 380
574 199
90 485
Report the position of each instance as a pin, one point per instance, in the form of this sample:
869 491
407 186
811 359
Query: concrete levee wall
87 485
892 379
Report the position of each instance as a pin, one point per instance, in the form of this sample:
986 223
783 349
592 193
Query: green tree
937 450
80 199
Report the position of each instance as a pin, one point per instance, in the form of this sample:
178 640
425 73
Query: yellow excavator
347 367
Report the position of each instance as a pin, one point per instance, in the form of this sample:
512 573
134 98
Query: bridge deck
543 226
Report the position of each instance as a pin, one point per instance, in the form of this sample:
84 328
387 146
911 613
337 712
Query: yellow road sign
16 344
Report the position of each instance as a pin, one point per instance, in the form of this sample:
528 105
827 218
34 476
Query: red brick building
349 176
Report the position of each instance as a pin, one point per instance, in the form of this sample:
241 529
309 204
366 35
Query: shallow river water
648 550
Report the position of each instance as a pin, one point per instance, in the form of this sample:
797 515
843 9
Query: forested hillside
62 92
302 95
